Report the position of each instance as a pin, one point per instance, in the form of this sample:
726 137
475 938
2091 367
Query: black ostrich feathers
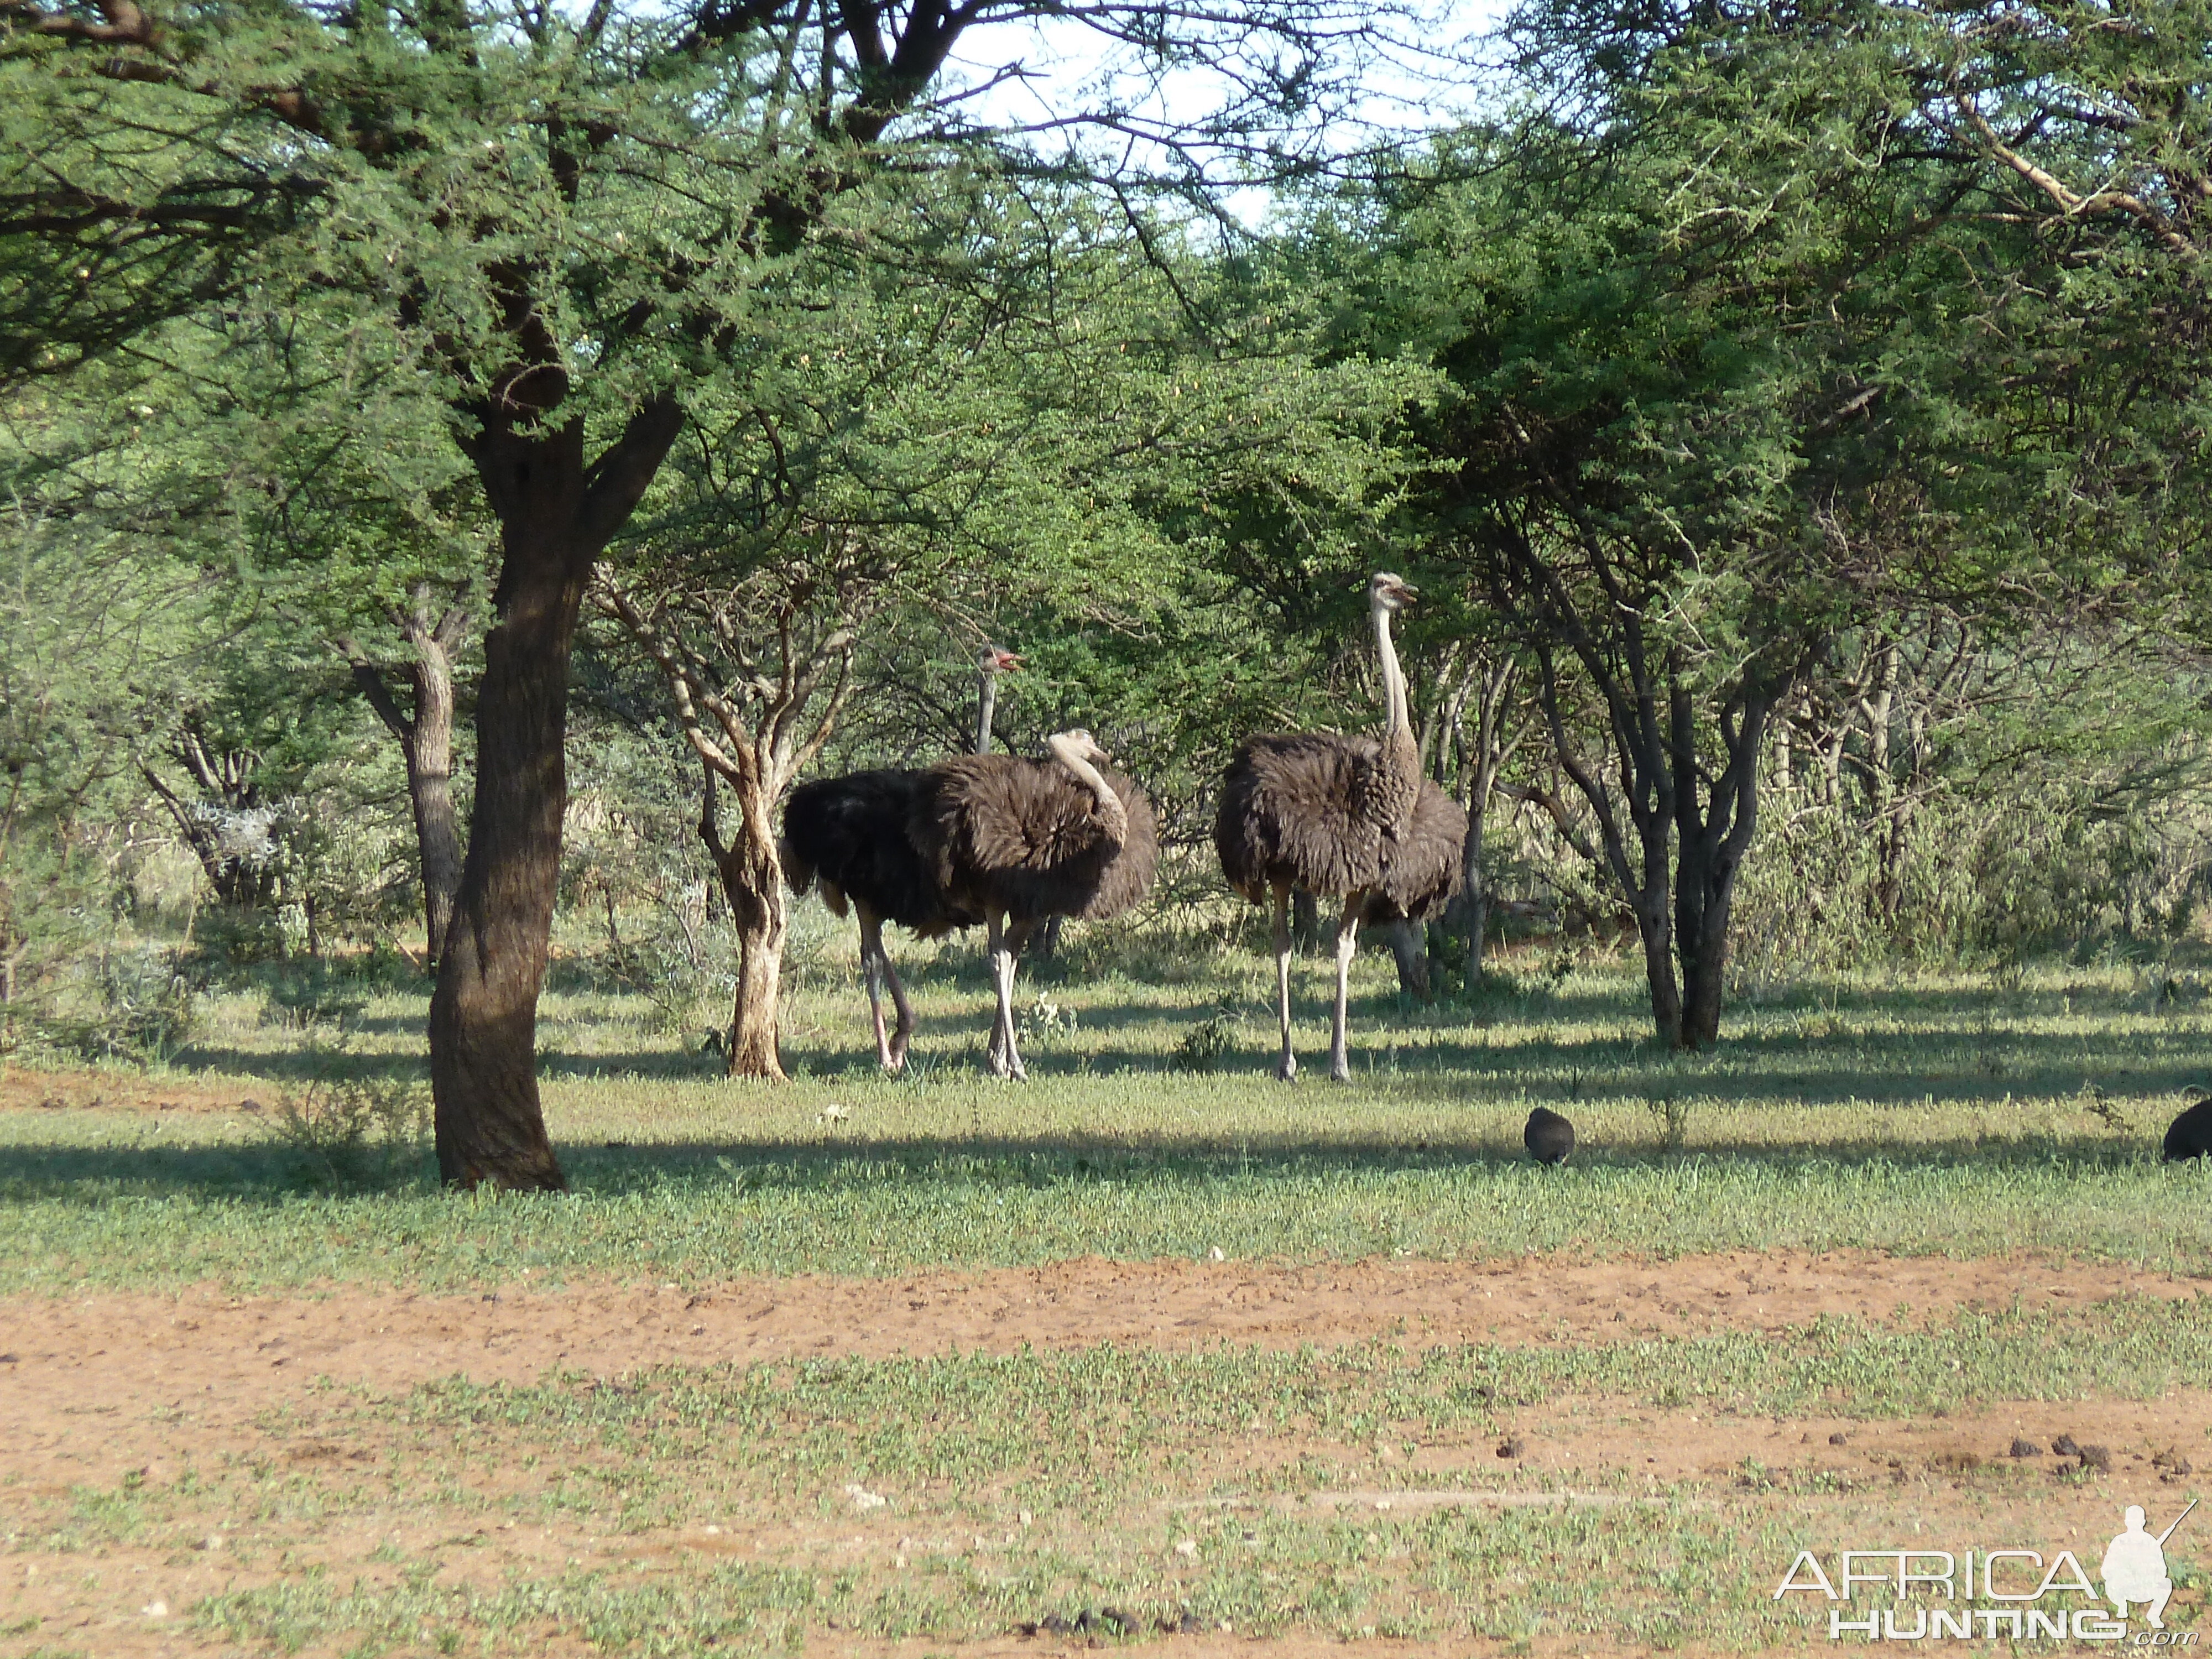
1296 812
1025 836
1548 1137
2189 1135
848 837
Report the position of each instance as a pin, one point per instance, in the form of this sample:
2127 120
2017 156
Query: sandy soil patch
120 1091
95 1387
116 1360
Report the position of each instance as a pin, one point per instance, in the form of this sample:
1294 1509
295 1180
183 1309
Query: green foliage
350 1131
1207 1043
144 1008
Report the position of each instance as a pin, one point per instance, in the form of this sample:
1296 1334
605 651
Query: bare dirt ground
136 1358
86 1091
141 1350
94 1388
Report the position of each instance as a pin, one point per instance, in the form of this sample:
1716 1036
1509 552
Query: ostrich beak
1008 662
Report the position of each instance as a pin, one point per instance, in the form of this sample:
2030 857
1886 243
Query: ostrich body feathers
1025 836
2189 1135
1308 811
848 838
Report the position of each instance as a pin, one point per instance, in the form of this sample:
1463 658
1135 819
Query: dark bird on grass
1348 818
846 838
1548 1137
2189 1135
1018 841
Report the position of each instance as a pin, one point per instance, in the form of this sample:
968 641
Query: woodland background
1794 418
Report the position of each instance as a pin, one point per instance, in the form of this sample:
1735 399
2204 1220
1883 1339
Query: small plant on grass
1673 1118
1045 1021
350 1133
2098 1105
1206 1044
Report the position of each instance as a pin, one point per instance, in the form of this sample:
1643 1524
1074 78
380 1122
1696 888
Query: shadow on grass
266 1172
1460 1064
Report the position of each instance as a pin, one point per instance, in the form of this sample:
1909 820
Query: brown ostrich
846 838
1349 818
1020 841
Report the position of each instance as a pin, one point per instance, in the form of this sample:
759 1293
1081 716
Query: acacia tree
756 717
1684 378
551 224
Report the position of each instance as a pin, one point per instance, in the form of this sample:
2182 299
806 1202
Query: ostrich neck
1398 726
1401 757
987 702
1111 812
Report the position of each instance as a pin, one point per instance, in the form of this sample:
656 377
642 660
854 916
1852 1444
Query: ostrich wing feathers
848 836
997 831
1298 811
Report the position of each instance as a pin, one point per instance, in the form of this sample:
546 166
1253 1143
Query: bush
148 1008
1205 1045
352 1134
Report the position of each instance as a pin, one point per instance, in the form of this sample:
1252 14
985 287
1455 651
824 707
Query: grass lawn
1646 1488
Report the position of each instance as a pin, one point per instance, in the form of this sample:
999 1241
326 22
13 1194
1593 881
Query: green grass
1938 1116
1934 1116
1024 1485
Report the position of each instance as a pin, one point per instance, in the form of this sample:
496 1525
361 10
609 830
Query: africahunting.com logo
2028 1597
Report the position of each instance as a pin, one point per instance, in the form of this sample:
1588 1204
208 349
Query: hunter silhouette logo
2135 1567
2022 1592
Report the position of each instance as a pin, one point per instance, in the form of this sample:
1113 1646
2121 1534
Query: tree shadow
268 1173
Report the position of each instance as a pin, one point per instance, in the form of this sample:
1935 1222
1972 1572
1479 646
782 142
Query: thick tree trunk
1703 895
1711 841
1657 934
755 1050
1305 921
483 1017
556 513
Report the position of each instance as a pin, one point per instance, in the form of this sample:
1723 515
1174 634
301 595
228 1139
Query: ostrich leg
1005 1059
1287 1068
1018 934
903 1033
1348 942
872 963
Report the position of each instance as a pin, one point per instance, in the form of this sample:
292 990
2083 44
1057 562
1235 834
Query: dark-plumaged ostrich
847 839
1344 818
1022 841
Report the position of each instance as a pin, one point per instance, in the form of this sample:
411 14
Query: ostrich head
1388 591
1085 747
996 659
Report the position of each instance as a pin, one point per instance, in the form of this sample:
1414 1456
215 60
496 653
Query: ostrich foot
1339 1069
1288 1071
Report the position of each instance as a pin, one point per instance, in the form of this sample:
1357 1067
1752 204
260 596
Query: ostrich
847 838
1019 840
1349 817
